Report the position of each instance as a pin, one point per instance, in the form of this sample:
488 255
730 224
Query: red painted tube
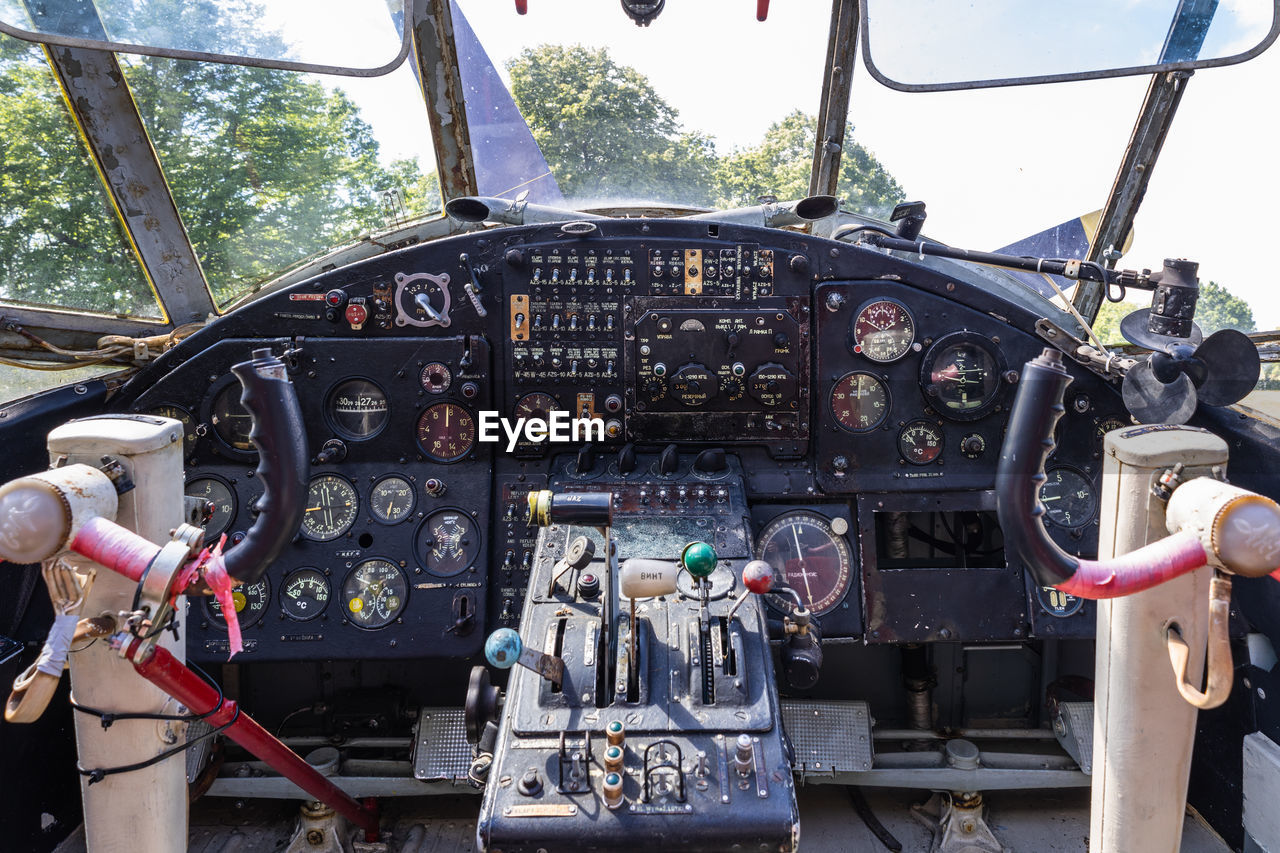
762 9
166 672
115 547
1142 569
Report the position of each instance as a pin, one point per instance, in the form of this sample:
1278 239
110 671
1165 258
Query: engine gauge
809 556
536 405
231 421
1057 603
436 378
448 542
961 376
883 330
250 601
305 594
920 442
331 508
391 499
217 493
1068 497
357 409
859 402
374 594
189 434
446 432
1108 424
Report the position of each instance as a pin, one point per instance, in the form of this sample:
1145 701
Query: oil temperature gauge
448 542
305 594
920 442
250 601
374 594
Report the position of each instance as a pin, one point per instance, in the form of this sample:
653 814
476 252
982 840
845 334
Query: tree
1218 308
781 163
605 131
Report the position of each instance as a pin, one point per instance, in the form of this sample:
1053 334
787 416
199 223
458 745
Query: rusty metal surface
441 80
103 107
834 111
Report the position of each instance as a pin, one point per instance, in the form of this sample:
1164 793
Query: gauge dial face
374 594
448 542
883 330
358 409
961 376
422 300
189 434
250 600
446 432
1058 603
859 402
536 405
231 421
391 499
1110 423
305 594
920 442
436 378
220 495
809 557
331 509
1068 497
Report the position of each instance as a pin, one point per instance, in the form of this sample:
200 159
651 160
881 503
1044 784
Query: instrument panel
838 378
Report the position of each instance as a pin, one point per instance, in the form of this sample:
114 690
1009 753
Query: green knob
699 558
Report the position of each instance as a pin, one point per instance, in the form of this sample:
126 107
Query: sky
992 165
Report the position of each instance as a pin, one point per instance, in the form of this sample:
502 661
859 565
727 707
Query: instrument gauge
436 378
189 434
374 594
422 300
332 505
883 330
536 405
391 499
809 556
446 432
1057 603
305 594
250 601
1068 497
1108 424
961 376
920 442
448 542
357 409
231 421
220 497
859 402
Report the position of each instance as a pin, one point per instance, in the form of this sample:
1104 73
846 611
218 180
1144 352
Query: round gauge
305 594
1108 424
231 421
1068 497
1057 603
446 432
358 408
436 378
883 330
536 405
960 376
216 491
331 509
859 402
422 300
374 594
250 601
809 557
189 434
920 442
448 542
391 499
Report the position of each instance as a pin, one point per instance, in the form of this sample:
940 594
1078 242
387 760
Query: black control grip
1027 444
279 436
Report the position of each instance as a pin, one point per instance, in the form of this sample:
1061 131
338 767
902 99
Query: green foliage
1107 324
1218 308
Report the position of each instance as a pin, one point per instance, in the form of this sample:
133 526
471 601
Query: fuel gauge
448 542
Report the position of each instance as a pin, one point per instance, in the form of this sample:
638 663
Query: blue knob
503 648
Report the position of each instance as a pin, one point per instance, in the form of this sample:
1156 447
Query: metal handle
1218 657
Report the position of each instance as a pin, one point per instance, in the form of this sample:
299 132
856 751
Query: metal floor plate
829 737
440 749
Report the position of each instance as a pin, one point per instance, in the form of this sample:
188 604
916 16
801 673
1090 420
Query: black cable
845 231
108 717
100 773
863 809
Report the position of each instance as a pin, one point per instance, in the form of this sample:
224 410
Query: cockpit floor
1024 821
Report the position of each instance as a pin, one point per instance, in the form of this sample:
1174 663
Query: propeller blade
1134 329
1154 402
1232 364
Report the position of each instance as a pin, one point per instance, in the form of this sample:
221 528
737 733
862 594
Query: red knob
757 576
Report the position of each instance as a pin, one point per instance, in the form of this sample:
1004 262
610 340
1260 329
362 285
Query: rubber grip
279 436
1027 444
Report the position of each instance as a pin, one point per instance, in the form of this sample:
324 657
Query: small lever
757 577
643 578
504 649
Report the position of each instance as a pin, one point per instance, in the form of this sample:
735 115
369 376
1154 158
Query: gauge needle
795 534
1054 498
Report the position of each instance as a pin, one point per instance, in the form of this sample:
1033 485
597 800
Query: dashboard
856 400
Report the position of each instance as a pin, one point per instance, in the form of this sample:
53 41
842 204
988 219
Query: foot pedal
829 737
1073 727
440 749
